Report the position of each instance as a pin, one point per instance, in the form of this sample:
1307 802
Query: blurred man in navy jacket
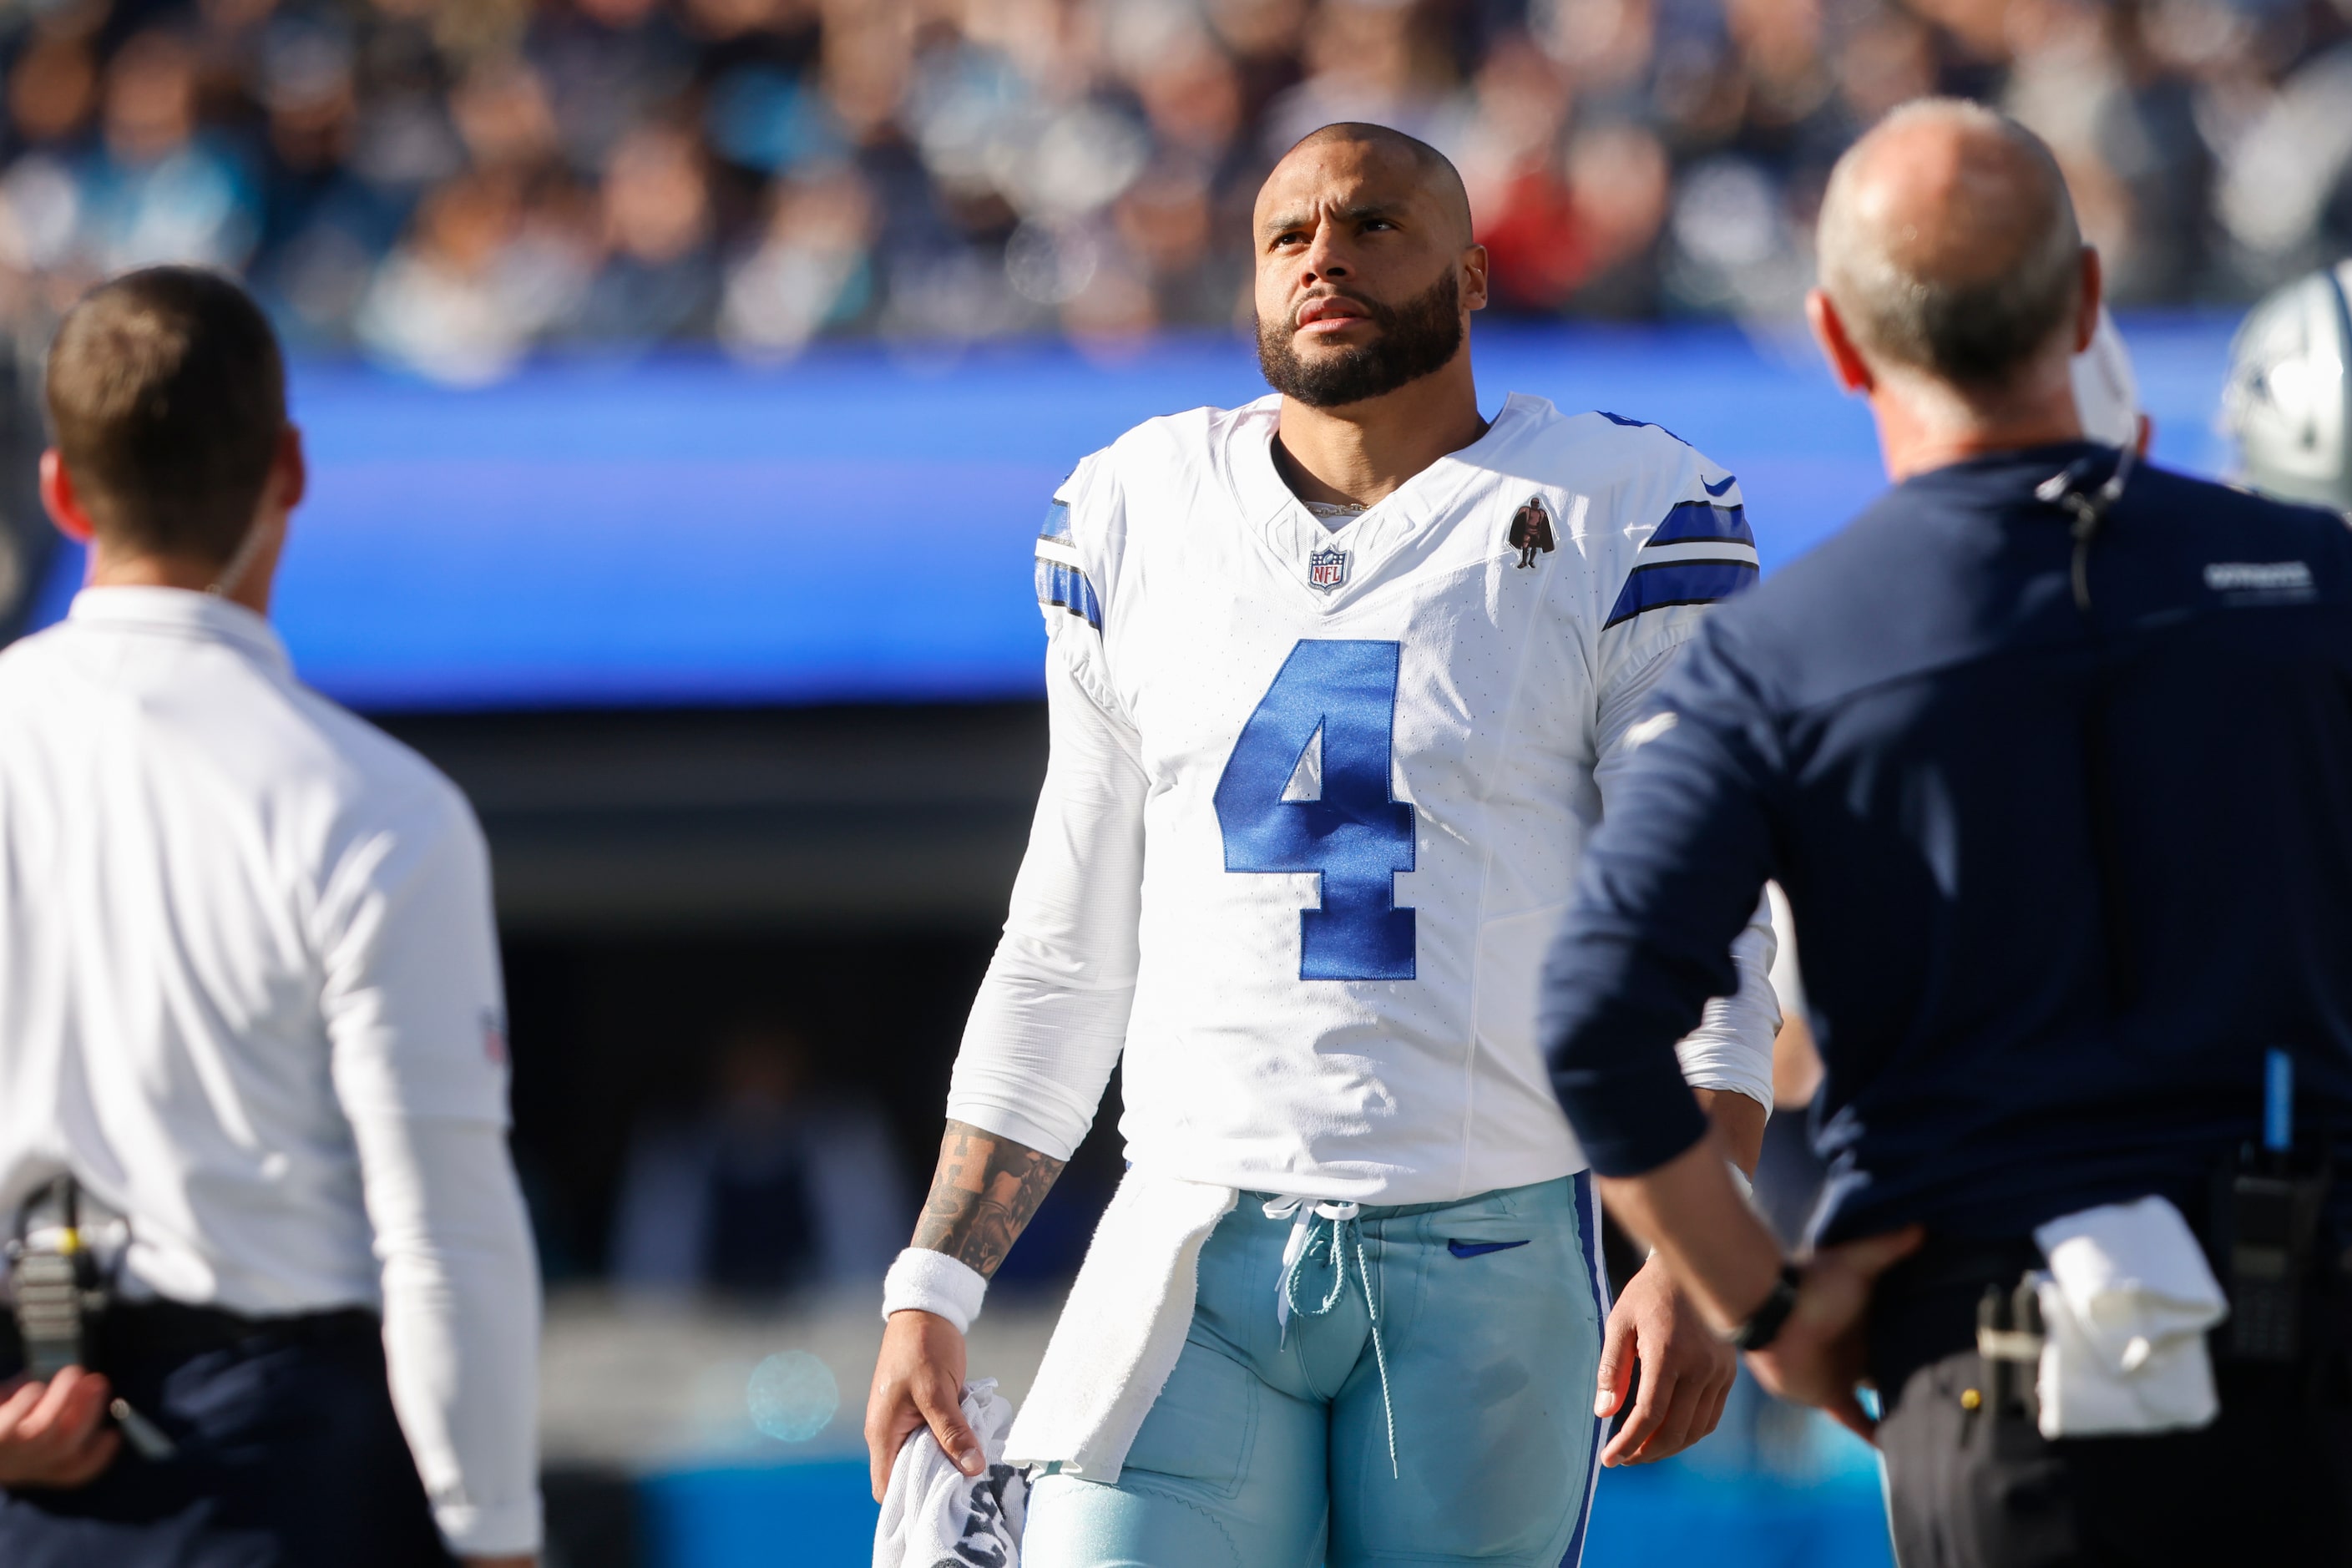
2052 753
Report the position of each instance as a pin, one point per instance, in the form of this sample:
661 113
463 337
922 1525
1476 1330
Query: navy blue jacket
2059 879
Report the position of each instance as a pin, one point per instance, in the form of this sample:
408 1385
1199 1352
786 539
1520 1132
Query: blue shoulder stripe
1057 521
1694 523
1635 424
1065 587
1679 582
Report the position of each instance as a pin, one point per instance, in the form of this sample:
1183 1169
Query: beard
1416 338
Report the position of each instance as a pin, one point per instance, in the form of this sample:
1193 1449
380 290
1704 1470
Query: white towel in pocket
2124 1307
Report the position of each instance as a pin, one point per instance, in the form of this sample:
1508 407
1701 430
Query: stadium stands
452 184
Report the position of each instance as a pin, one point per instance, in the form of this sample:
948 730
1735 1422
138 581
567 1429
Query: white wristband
922 1280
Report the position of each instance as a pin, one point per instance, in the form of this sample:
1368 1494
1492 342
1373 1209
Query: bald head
1361 143
1949 245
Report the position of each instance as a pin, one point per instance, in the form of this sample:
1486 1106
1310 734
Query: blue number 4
1356 833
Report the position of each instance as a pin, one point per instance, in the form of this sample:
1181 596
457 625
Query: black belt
1957 1266
174 1330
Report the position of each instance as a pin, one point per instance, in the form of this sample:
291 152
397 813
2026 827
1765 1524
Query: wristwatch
1764 1324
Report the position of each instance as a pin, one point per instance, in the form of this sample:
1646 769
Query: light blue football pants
1269 1446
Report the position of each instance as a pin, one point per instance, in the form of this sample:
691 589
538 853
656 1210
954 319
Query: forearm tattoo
984 1191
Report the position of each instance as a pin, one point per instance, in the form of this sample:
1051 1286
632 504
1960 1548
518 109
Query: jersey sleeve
1050 1019
1686 544
1078 550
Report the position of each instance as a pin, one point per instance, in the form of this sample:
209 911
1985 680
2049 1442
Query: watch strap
1764 1324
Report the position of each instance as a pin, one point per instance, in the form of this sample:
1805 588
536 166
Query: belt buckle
2009 1334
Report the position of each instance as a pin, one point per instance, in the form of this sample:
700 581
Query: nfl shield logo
1327 569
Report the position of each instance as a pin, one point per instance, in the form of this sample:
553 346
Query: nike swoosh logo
1480 1249
1729 480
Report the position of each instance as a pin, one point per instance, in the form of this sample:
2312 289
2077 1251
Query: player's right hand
918 1382
55 1434
1686 1372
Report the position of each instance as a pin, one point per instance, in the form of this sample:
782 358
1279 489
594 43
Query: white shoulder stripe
1700 550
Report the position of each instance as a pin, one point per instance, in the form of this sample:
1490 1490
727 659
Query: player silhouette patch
1327 569
1530 532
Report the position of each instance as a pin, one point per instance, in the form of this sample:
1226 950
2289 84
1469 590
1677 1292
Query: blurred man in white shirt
253 1074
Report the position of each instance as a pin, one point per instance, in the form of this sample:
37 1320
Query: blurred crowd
452 183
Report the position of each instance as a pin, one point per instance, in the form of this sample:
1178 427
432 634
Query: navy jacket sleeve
1669 880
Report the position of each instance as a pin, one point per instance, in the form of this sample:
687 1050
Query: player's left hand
1687 1371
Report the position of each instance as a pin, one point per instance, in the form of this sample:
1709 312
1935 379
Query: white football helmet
2288 405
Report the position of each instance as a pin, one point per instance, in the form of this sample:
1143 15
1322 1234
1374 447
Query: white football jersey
1318 797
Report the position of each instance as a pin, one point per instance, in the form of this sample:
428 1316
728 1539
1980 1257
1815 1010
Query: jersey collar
181 611
1284 525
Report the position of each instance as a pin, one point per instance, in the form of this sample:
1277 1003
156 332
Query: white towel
2124 1307
1122 1328
933 1513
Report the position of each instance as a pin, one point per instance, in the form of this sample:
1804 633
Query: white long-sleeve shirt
1317 796
249 999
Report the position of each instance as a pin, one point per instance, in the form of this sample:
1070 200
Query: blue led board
855 526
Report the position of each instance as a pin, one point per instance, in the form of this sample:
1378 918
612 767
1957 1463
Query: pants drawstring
1329 1229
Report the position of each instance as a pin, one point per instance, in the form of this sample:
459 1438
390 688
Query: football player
1338 684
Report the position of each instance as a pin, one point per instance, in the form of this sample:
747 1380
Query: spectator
159 189
813 270
608 65
52 89
501 110
659 278
1372 60
774 1185
480 277
322 228
1167 223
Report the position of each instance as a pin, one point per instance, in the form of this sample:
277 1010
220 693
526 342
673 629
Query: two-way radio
60 1294
2267 1227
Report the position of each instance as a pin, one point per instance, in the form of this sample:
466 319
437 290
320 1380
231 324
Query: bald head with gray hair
1949 245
